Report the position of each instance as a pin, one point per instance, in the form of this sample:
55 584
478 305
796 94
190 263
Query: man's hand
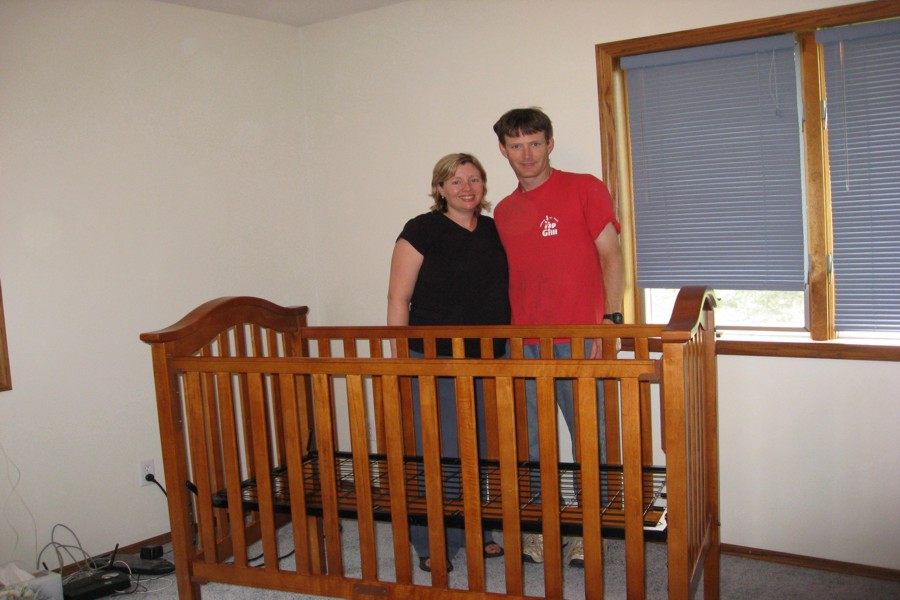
597 348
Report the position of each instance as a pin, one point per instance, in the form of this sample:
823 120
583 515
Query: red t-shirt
555 277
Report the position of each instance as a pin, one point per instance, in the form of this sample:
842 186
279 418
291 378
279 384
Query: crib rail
274 431
375 341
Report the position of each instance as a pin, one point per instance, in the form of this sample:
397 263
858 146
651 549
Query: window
748 179
717 177
862 80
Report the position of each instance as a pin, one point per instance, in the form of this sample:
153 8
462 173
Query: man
561 237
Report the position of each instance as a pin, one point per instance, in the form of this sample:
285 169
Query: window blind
717 166
862 82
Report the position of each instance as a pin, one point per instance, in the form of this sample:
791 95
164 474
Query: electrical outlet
147 468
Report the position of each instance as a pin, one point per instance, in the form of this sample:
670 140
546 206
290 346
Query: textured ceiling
289 12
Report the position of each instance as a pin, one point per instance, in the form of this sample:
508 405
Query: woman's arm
405 264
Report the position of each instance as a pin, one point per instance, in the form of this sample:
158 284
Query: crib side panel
343 479
689 374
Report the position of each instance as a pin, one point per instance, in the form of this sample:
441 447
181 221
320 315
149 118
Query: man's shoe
533 548
576 553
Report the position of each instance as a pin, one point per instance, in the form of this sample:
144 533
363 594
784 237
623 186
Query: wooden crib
277 435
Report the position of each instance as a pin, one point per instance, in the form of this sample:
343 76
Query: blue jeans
566 402
449 448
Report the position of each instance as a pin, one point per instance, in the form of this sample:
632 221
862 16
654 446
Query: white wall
151 158
810 455
154 156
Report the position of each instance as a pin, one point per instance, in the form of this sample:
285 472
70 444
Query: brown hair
523 121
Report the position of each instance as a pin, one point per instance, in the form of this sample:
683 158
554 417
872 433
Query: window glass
738 308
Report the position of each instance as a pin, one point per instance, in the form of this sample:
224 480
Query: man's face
528 155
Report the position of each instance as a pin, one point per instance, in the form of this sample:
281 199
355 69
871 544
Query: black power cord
152 477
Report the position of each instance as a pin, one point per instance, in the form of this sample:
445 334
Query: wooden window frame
616 167
5 378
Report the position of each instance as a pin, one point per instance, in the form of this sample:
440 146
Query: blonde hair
445 169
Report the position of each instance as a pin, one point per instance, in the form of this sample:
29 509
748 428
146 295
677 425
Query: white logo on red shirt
548 226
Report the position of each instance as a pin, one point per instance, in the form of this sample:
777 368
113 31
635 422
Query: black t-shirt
464 278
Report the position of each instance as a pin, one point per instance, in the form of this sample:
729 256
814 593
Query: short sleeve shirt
549 234
464 278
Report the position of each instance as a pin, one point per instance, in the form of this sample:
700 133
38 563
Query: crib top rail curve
693 309
197 328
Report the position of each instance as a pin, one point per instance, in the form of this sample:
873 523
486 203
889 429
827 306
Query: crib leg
188 589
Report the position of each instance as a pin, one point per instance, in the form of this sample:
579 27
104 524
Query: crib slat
376 351
406 413
577 345
272 349
359 444
434 495
306 424
547 434
471 488
232 467
521 421
591 500
509 485
631 469
261 456
642 351
288 385
396 476
200 466
324 403
240 350
489 404
214 442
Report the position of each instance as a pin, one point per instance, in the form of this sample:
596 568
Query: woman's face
465 190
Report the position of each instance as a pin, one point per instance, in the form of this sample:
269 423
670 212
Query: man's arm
610 252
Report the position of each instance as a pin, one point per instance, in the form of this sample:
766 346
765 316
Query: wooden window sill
876 350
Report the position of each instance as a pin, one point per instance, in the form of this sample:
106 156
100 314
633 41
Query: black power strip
96 585
135 564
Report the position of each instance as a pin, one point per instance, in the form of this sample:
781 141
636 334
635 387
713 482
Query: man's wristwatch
616 318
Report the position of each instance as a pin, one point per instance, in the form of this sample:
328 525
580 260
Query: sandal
493 554
425 566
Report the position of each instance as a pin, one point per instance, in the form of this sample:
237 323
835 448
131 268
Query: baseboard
810 562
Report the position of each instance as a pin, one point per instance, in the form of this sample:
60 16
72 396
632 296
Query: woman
449 268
